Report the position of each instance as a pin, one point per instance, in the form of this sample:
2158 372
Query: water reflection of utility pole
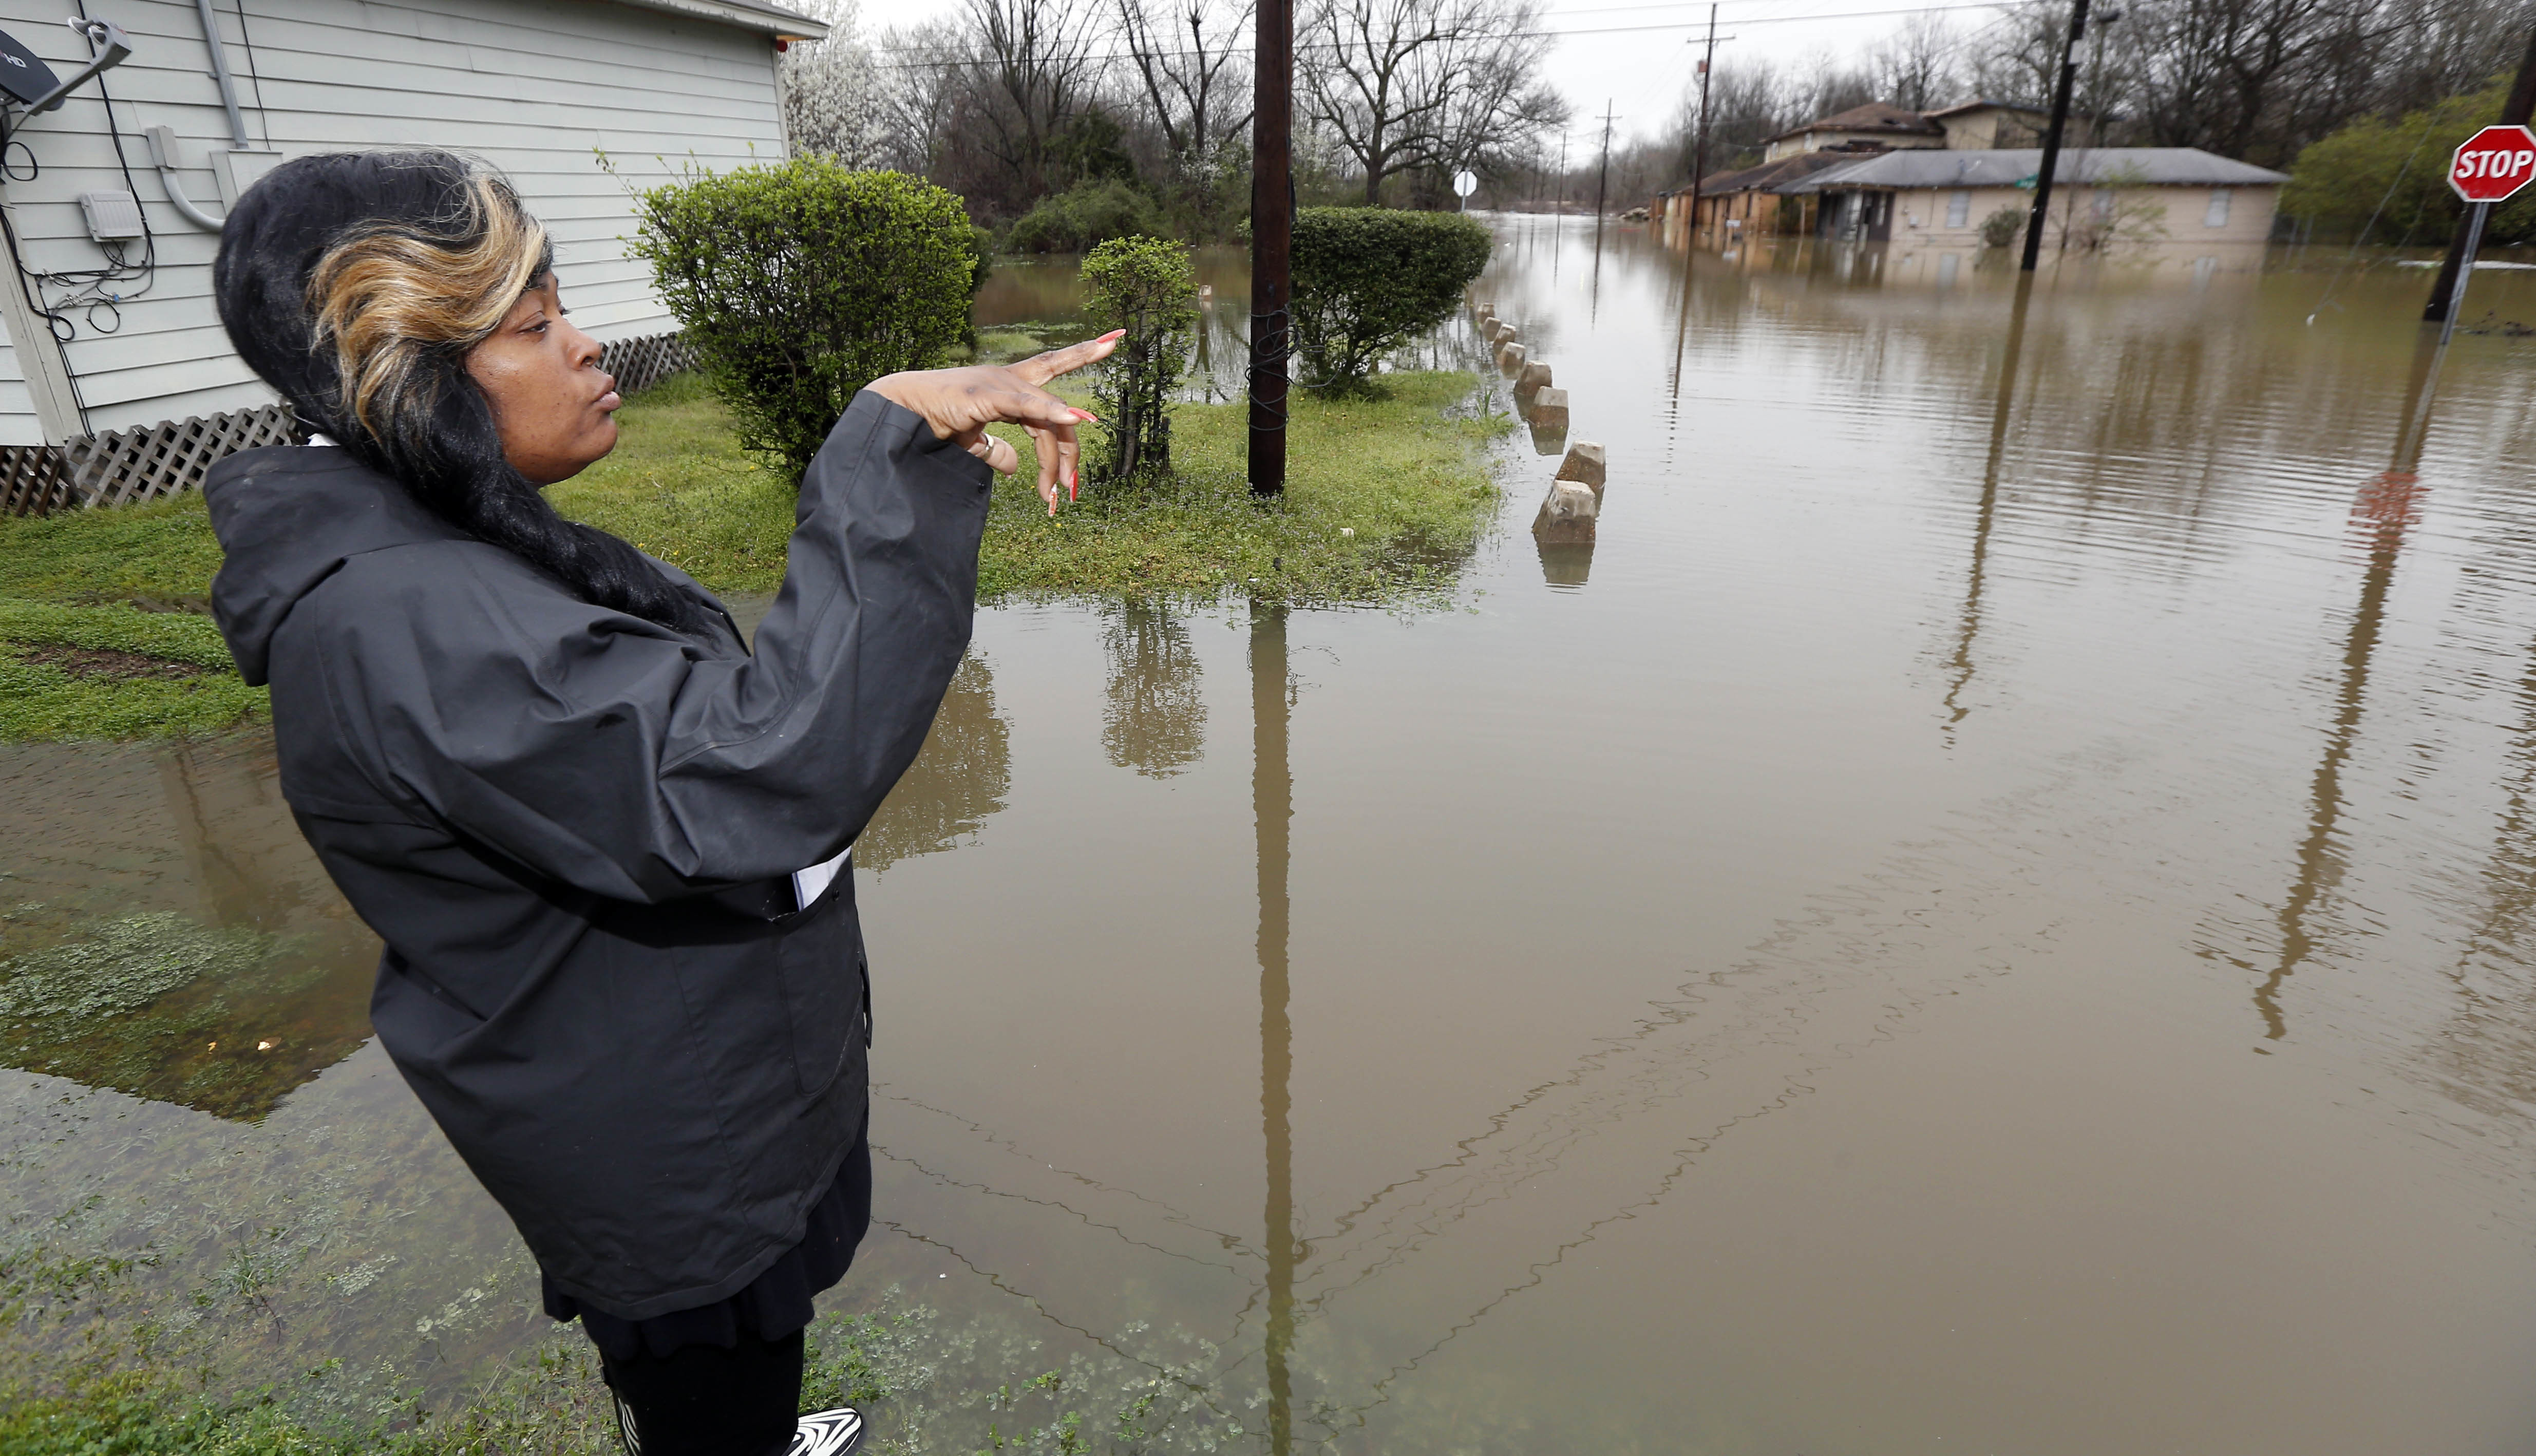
1690 223
1961 664
1272 797
2388 504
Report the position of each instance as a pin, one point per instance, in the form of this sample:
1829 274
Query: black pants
709 1382
701 1400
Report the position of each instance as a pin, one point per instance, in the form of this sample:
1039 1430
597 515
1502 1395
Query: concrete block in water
1487 313
1510 358
1584 465
1549 409
1535 376
1508 334
1566 514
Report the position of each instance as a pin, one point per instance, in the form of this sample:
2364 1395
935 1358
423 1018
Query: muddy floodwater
1994 912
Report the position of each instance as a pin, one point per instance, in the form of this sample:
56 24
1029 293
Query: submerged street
1999 914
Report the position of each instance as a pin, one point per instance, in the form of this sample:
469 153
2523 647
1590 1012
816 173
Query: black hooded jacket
577 830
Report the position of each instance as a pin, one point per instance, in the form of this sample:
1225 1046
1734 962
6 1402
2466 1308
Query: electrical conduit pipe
163 138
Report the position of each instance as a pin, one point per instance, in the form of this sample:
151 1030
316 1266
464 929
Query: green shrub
1072 221
1145 286
800 283
1368 279
2000 227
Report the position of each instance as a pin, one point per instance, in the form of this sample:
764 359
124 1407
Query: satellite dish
1464 185
22 73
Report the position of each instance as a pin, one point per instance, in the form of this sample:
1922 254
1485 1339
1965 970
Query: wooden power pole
2515 112
1272 242
1700 146
1603 181
2052 136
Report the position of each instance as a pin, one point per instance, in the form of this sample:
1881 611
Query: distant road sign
1464 185
2494 163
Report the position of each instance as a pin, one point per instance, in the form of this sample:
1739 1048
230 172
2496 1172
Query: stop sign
2494 163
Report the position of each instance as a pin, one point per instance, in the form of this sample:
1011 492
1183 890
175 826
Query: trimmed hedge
1145 286
1073 220
800 283
1368 279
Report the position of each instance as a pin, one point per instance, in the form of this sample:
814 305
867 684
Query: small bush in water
1072 221
2000 227
1144 286
798 284
1368 279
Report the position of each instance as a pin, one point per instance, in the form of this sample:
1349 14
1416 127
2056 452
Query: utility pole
1272 801
1272 241
1699 148
1563 173
1604 180
2052 136
2515 112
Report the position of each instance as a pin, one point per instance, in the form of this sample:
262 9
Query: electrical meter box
112 217
235 171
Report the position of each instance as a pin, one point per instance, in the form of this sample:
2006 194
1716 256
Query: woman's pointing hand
961 403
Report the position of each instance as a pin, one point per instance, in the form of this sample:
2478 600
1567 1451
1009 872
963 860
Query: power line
1299 47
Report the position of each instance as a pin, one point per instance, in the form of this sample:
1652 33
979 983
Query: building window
1959 208
2217 216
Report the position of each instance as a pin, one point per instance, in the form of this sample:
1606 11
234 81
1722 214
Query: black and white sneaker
625 1435
834 1433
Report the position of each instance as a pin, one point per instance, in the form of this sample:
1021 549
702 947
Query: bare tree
1376 75
2254 79
921 70
1192 59
1747 104
1916 67
1037 68
1499 109
1405 84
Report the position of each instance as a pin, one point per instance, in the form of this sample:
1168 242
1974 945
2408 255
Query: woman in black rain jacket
604 842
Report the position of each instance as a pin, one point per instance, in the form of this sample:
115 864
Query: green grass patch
79 656
163 553
102 633
114 673
1385 499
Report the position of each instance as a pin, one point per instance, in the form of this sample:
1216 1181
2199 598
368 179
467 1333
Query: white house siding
537 87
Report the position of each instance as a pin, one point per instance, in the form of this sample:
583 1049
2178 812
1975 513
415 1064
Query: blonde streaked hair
357 284
391 295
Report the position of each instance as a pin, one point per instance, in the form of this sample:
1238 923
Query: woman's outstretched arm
603 751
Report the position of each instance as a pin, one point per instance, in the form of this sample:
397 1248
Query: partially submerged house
116 381
1865 175
1748 201
2099 195
1874 124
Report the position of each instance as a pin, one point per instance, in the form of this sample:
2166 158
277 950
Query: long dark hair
357 282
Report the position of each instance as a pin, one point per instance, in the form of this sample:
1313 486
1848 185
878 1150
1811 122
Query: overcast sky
1637 56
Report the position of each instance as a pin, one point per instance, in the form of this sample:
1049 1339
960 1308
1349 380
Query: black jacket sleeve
603 751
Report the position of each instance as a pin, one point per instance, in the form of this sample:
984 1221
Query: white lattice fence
640 363
127 467
33 480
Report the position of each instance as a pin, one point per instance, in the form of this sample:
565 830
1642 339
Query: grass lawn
1384 498
102 633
